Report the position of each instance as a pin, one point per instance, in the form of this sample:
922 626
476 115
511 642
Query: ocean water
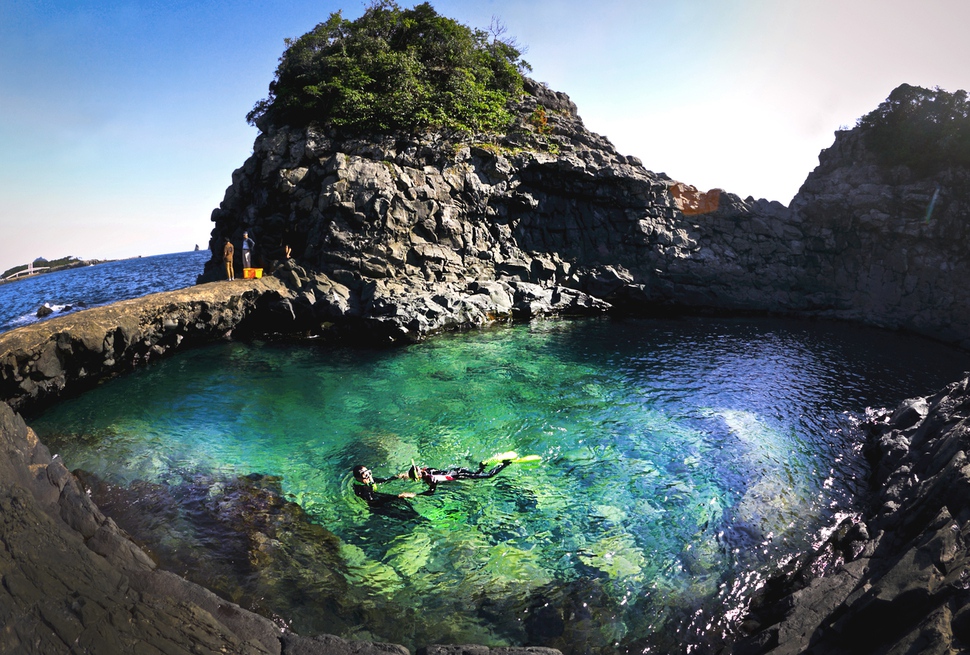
678 460
89 286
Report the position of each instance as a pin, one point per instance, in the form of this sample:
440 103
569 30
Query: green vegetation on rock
395 69
926 130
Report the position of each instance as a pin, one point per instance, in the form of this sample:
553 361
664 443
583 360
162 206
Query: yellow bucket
250 273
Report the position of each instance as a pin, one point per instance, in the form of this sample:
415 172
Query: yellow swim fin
501 457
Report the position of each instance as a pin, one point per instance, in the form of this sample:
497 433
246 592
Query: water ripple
680 458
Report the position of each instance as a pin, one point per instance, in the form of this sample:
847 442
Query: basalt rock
72 580
394 218
67 354
889 243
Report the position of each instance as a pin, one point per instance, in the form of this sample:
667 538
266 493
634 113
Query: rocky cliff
421 234
890 244
413 235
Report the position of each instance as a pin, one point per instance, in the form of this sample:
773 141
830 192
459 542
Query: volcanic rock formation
397 237
413 235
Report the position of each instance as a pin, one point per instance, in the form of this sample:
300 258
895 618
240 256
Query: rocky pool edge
72 578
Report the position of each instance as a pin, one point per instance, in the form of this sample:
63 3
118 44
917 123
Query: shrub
394 69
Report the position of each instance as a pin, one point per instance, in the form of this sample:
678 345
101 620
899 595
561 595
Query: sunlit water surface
680 458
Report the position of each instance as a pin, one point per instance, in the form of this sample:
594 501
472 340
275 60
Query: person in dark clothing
434 477
247 250
367 487
227 253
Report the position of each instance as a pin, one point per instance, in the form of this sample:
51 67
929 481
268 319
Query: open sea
674 463
99 284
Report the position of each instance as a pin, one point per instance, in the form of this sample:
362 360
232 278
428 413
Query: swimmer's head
361 473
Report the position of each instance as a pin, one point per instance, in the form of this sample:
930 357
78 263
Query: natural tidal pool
680 459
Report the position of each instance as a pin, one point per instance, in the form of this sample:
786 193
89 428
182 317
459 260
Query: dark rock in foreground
898 579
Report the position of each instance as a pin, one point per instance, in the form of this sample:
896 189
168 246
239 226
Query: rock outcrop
423 234
65 355
414 235
890 245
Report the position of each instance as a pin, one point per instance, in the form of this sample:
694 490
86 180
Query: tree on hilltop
395 69
924 129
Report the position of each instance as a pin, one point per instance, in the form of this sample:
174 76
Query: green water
679 459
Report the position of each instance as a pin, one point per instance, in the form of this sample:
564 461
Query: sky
121 122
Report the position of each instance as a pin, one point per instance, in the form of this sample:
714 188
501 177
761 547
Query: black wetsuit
385 506
370 494
432 477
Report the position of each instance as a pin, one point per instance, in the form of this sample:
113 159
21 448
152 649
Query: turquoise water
679 459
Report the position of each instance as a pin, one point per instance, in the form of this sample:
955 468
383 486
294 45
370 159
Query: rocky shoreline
399 237
72 580
896 580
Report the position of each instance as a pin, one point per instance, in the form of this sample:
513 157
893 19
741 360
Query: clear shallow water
90 286
679 458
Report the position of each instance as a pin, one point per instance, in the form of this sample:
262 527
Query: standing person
247 246
227 252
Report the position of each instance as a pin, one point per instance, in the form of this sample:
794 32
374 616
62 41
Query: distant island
41 265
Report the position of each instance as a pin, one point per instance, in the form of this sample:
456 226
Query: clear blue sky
123 121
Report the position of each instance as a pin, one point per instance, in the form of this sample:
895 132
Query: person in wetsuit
434 477
367 487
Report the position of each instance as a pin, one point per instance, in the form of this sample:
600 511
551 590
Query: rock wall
891 245
422 234
459 231
65 355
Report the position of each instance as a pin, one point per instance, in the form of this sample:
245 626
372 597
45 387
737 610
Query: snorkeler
433 477
367 489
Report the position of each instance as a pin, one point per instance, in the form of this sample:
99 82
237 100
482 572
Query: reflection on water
678 459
